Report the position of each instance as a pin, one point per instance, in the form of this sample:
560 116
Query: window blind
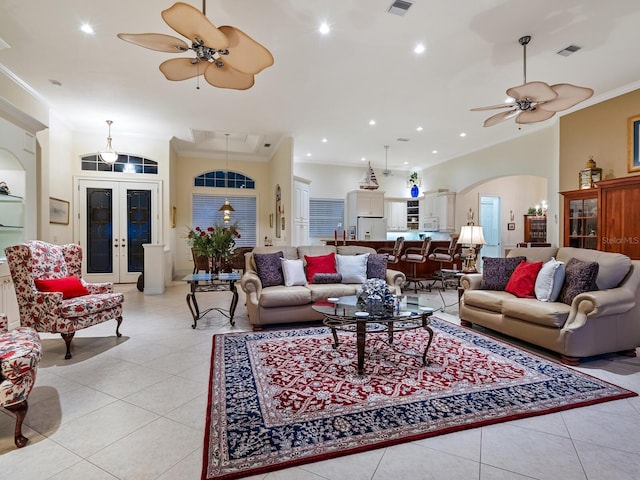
324 216
206 214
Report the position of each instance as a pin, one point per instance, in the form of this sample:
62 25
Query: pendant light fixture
108 155
226 207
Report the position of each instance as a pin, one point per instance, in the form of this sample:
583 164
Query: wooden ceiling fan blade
228 77
501 117
245 54
183 68
191 23
155 41
533 116
492 107
568 96
535 91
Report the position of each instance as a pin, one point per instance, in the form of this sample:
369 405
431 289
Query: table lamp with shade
470 236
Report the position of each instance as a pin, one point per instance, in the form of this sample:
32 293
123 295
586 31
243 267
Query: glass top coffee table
210 282
343 314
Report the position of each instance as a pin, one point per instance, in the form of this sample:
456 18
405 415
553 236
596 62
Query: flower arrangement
413 178
216 241
376 297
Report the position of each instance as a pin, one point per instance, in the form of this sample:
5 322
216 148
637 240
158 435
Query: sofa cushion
533 254
548 314
523 279
70 287
315 250
327 278
353 268
612 267
353 250
549 281
269 268
497 271
377 265
486 299
320 264
289 252
323 291
293 272
579 277
281 296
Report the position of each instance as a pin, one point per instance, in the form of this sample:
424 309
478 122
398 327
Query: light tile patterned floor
134 408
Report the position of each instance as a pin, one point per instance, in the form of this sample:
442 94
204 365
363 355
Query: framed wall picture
633 143
58 211
511 226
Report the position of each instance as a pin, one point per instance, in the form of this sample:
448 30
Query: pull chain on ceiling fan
226 56
536 101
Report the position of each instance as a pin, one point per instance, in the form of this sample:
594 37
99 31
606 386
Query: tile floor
134 408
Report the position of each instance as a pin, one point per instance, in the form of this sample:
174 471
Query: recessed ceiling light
308 154
324 140
419 129
324 28
406 163
419 48
463 134
363 159
86 28
372 122
434 151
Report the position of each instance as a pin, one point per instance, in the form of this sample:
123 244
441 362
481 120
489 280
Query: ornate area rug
283 398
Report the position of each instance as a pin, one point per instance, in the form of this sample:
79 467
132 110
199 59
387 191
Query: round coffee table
343 314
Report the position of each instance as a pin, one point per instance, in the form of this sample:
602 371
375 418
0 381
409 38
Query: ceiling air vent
400 7
565 52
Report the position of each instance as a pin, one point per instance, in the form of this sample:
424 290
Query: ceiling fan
536 101
386 172
226 56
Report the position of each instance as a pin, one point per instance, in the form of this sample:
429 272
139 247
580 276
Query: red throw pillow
320 264
523 279
69 286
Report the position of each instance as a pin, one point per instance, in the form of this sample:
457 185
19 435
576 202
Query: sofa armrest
251 286
396 279
613 301
106 287
471 281
4 323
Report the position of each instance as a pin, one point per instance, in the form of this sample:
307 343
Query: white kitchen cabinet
396 214
441 206
364 203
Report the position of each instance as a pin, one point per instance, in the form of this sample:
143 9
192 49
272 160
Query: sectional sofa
595 322
276 304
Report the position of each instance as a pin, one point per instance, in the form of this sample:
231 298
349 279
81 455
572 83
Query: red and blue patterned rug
286 397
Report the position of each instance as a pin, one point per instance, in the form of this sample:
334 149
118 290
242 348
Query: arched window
224 179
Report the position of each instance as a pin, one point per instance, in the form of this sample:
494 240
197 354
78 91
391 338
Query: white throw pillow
549 281
293 271
353 268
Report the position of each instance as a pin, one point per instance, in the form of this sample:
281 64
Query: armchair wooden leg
67 339
119 320
20 411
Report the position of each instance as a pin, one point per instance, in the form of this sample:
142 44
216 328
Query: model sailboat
369 181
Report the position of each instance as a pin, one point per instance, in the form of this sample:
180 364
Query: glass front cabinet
581 218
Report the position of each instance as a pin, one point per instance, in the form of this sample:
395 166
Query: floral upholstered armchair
20 353
51 295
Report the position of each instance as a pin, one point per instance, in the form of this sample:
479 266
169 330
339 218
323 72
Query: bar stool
416 255
394 252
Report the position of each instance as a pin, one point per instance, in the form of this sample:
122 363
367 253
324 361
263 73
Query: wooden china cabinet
606 217
581 218
535 228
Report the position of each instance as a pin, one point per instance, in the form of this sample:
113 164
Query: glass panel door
116 219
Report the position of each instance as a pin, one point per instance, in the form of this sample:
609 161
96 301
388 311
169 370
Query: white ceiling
322 86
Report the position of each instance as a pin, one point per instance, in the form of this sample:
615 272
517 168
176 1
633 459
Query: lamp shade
471 235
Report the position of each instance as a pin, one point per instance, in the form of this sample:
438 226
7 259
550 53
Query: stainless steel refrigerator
371 228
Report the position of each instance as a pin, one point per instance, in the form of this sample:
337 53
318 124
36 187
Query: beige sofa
281 304
598 322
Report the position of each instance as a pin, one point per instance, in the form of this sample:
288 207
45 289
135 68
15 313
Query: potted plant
215 242
414 180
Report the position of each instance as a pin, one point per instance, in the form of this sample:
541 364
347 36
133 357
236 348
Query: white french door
115 219
490 222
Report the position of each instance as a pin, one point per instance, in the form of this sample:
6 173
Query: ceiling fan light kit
108 155
226 56
536 101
